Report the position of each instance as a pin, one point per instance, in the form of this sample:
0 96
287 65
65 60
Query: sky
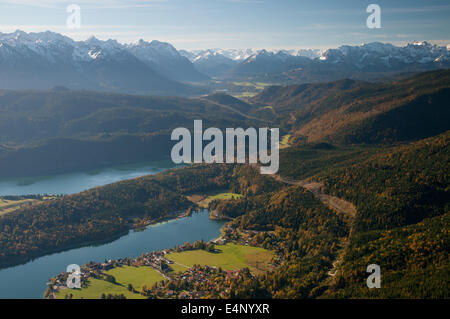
269 24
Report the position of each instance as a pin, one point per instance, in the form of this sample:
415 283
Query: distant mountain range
361 62
219 62
47 59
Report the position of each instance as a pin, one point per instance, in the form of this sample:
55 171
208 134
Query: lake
29 280
79 181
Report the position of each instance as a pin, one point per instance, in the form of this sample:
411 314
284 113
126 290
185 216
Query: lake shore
23 260
28 280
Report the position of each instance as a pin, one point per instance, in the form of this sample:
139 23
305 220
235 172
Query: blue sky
200 24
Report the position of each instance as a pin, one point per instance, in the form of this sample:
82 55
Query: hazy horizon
236 48
235 24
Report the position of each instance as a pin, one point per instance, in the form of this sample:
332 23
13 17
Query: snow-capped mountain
165 59
232 54
313 65
237 55
240 55
308 53
367 56
217 62
47 59
386 56
213 63
269 62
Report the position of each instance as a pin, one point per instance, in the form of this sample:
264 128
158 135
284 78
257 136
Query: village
196 283
190 283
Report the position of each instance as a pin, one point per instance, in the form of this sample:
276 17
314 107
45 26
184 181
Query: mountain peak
422 43
92 40
19 33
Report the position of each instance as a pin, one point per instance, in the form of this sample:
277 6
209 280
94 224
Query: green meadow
244 95
285 140
136 276
230 257
222 196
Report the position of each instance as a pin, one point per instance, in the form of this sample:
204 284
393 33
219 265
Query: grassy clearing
96 288
245 94
225 196
285 140
243 84
247 89
178 267
137 276
256 85
230 257
8 206
221 196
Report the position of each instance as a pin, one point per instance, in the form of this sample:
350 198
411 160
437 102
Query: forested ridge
101 213
57 131
355 112
52 132
402 221
403 202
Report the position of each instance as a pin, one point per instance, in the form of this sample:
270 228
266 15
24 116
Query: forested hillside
402 198
62 130
403 201
350 112
307 235
52 132
397 186
102 213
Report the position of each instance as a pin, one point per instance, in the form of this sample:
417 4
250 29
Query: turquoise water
29 280
79 181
